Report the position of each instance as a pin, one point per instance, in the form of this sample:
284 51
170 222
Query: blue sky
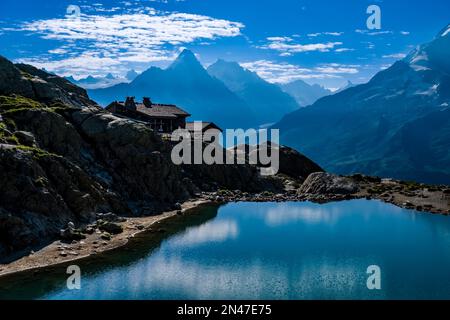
325 42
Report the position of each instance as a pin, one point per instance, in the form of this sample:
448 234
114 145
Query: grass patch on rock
16 102
37 152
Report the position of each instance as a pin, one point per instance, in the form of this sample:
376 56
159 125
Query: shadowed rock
322 183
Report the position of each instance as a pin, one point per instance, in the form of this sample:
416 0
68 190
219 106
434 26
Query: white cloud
287 39
336 34
395 56
58 51
335 68
276 72
109 40
286 45
218 231
373 33
82 65
344 50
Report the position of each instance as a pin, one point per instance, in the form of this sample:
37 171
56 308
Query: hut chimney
147 102
130 104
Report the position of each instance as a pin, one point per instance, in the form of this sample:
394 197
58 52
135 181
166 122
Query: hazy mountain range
304 93
109 80
397 125
225 93
187 84
267 101
91 82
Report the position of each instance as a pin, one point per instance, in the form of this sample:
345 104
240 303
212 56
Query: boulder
322 183
110 217
70 234
25 138
109 227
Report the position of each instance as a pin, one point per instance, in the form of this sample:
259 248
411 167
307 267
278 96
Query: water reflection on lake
281 251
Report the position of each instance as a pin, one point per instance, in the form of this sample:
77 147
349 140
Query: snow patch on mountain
395 95
429 92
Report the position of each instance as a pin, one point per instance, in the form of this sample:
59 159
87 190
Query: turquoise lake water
270 251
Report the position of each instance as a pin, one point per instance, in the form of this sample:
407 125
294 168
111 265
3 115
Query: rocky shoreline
408 195
92 245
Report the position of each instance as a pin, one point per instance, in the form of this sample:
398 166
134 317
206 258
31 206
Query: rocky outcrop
30 82
40 193
12 81
322 183
291 162
296 165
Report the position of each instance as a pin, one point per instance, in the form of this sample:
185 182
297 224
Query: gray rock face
296 165
136 158
325 183
51 131
40 194
13 81
25 138
292 163
30 82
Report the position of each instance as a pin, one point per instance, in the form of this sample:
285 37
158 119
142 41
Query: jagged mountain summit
268 102
304 93
348 85
185 83
396 125
131 75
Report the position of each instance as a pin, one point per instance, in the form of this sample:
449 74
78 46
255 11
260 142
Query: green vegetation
37 152
412 186
12 105
10 124
26 75
7 138
378 189
3 130
15 102
59 108
41 182
12 140
267 194
5 135
224 193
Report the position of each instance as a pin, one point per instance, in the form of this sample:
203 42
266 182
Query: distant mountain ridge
91 82
268 102
304 93
347 86
397 125
187 84
131 75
